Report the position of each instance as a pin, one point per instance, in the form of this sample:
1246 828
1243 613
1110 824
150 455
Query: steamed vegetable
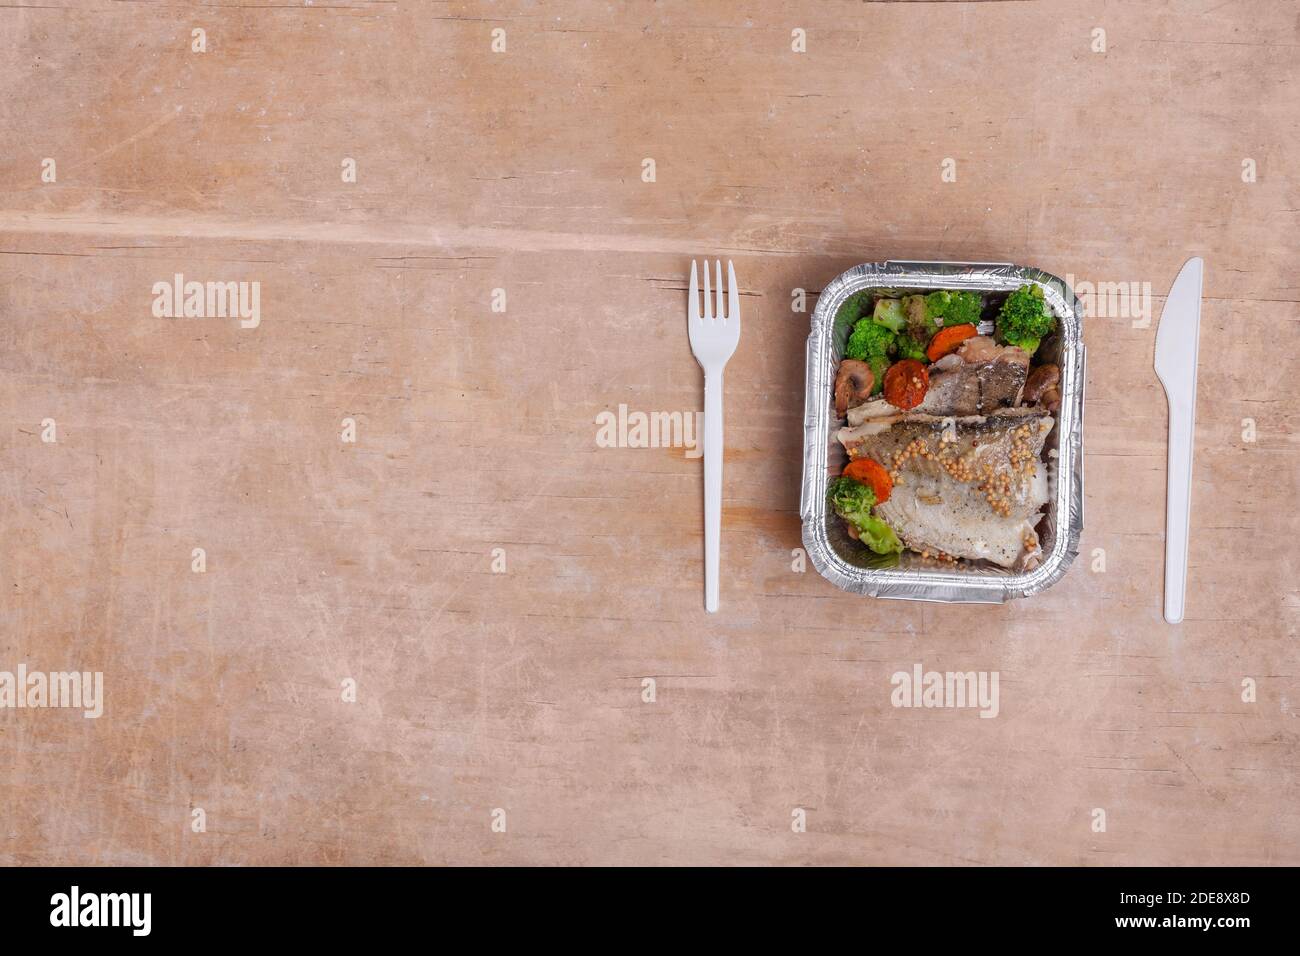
947 340
878 536
906 383
879 366
850 497
953 308
871 472
919 322
869 340
853 308
853 501
889 313
927 313
874 339
854 384
912 347
1024 319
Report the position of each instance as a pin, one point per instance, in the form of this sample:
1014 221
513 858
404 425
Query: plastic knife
1177 340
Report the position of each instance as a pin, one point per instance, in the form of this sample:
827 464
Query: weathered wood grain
477 430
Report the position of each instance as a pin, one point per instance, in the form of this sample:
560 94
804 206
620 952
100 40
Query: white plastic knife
1177 340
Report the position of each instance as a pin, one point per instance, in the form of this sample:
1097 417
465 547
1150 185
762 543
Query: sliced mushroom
853 384
1041 381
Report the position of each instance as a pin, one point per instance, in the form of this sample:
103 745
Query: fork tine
722 313
694 312
708 305
733 294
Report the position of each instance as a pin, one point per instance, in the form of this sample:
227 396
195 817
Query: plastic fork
714 336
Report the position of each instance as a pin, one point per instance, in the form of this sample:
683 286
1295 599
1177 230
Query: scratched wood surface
372 561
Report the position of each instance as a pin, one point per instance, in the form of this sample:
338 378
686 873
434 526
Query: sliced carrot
871 473
945 340
906 383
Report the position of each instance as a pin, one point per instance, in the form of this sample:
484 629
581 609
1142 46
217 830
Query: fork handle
712 485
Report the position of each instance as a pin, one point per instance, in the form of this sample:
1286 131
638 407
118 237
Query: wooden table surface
496 584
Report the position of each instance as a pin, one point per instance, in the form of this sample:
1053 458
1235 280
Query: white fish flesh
970 487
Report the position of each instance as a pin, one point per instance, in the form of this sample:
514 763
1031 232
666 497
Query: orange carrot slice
871 473
945 340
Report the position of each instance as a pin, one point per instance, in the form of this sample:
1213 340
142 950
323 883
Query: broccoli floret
1025 319
853 501
953 308
851 497
869 340
877 535
873 344
889 313
919 322
926 314
879 366
911 346
853 308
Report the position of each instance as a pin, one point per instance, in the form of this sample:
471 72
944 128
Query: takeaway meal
945 418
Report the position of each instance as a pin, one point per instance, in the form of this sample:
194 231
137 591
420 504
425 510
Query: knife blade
1177 344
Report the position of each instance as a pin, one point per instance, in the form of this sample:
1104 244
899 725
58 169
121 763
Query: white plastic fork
713 340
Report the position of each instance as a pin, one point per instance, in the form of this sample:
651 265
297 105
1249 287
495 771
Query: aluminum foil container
849 565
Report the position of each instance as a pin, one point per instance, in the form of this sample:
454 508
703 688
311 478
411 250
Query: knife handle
1178 502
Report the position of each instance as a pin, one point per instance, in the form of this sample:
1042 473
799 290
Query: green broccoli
926 314
853 308
1024 318
869 340
911 346
850 496
889 313
919 322
877 535
879 366
953 308
853 501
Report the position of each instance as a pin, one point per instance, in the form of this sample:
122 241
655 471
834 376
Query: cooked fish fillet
978 379
969 487
862 428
